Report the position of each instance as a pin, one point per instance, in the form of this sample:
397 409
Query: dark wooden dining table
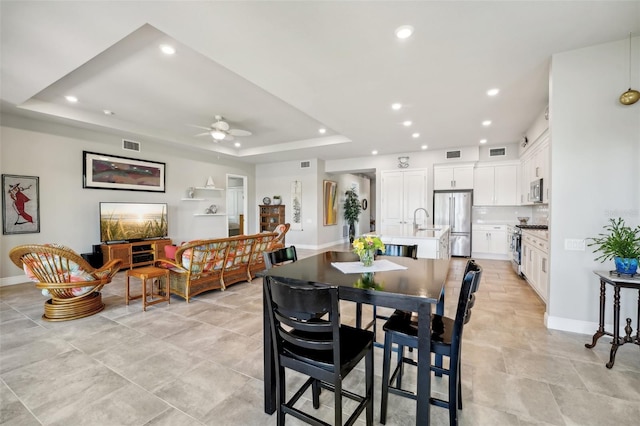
416 288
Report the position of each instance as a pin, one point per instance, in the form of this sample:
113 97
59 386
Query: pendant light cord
629 60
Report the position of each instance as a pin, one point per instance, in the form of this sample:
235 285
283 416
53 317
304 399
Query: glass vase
367 257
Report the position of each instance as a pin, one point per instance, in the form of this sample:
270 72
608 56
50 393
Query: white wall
595 152
69 213
276 179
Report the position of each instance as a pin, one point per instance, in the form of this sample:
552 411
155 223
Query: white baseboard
574 326
7 281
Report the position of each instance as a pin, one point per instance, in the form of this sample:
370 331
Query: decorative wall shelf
209 214
193 199
209 189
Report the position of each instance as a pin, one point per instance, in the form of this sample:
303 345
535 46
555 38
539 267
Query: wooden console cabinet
141 253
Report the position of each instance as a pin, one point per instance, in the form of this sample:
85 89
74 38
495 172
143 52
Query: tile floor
201 363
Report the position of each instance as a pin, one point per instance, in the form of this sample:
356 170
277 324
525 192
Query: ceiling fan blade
239 132
228 137
199 127
203 134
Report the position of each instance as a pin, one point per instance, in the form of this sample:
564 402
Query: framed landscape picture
103 171
20 204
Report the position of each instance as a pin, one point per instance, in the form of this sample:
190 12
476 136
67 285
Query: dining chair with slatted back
446 339
320 348
280 256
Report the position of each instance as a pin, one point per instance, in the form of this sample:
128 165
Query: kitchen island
433 243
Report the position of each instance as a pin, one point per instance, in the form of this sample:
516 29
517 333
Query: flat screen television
132 221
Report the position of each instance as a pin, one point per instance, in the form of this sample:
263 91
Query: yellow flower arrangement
366 247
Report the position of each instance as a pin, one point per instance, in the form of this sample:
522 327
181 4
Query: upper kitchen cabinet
535 165
496 184
453 177
402 193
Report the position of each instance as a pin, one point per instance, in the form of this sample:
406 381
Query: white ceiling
284 69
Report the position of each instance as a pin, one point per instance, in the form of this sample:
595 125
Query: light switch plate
574 244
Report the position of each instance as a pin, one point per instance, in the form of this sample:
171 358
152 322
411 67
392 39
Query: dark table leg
600 332
269 366
616 326
424 365
439 311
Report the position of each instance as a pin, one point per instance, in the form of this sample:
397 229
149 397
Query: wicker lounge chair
73 285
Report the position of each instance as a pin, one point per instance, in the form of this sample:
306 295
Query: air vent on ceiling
453 154
305 164
497 152
130 145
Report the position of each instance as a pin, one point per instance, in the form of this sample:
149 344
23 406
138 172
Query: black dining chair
320 348
446 339
397 250
279 256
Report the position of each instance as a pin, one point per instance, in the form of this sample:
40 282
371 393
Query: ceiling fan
220 130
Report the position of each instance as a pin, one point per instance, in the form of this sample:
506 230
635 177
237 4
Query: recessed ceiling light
237 144
404 31
407 123
108 112
483 141
167 50
72 99
322 131
493 92
374 152
424 147
396 106
415 135
486 123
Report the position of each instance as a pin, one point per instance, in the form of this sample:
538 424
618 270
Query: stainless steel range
516 245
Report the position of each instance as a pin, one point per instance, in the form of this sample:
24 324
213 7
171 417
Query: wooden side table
617 283
144 274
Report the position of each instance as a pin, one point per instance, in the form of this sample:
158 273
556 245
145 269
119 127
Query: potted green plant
351 211
277 200
621 243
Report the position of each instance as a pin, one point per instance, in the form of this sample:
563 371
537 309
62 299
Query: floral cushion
71 273
239 252
204 258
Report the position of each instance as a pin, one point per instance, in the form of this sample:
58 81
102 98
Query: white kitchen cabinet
495 185
453 177
535 165
535 261
402 193
490 241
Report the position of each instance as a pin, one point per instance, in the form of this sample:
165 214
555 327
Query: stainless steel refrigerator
453 209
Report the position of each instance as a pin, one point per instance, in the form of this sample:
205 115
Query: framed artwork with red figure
20 204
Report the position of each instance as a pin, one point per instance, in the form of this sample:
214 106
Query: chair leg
386 365
358 315
369 386
280 396
338 403
400 366
454 380
315 392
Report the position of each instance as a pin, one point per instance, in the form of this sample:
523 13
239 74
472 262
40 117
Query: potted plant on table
351 212
277 200
621 243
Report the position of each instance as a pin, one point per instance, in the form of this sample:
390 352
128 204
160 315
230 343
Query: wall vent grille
453 154
305 164
130 145
497 152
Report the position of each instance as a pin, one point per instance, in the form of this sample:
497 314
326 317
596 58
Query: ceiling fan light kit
631 96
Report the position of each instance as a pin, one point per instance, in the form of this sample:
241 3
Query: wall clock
266 201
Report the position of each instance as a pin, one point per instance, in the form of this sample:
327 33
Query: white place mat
358 268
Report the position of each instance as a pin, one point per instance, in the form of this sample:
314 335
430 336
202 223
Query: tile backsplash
538 214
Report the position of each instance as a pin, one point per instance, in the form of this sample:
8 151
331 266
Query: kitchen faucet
415 212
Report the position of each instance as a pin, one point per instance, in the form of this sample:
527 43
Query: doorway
236 204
